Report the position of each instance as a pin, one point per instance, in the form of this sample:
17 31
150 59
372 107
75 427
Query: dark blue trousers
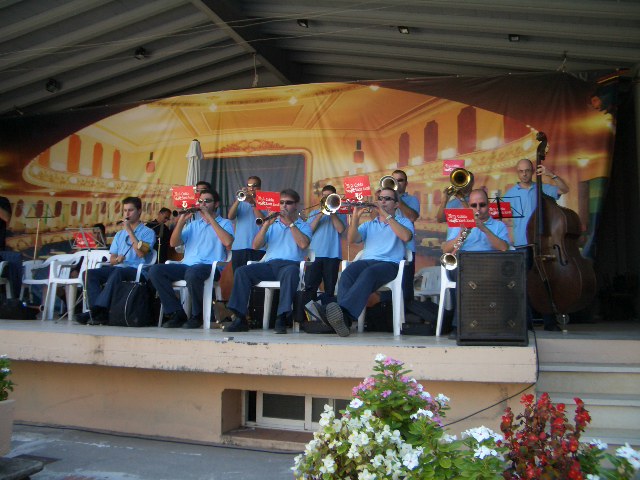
323 269
359 280
102 281
287 272
163 275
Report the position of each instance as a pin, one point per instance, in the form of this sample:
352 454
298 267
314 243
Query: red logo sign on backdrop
268 200
505 208
183 197
357 187
449 166
460 217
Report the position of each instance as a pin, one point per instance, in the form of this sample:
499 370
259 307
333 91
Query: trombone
461 181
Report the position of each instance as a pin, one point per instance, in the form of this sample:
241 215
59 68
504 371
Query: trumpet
388 183
461 181
260 221
241 195
177 213
330 204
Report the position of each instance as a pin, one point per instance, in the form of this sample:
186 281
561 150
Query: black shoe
193 322
239 324
453 334
281 324
99 318
552 328
336 319
83 318
177 319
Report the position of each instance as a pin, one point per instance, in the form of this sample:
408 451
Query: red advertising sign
460 217
505 208
357 187
183 197
268 200
449 166
80 238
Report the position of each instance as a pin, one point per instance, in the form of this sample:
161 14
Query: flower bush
393 429
543 444
6 385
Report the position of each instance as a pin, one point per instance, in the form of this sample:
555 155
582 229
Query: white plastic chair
59 268
397 297
5 281
90 259
445 284
271 285
28 266
427 284
180 286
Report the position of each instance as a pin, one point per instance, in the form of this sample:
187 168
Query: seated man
286 237
163 229
488 234
131 247
205 239
384 239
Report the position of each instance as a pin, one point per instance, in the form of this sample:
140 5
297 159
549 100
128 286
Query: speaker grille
492 299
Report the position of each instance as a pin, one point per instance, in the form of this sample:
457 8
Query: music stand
46 214
515 212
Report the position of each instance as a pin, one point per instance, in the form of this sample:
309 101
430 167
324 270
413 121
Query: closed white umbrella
194 157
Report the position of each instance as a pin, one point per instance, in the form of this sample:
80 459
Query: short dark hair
205 183
165 210
290 192
213 193
331 188
402 172
135 201
257 179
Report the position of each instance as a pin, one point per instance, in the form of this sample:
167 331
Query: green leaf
445 462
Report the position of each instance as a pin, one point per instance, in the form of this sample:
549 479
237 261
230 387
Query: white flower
592 477
481 434
328 465
411 458
421 413
381 357
442 399
356 403
365 475
483 451
446 438
629 454
599 444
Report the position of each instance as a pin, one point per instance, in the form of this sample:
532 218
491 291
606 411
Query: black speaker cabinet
492 298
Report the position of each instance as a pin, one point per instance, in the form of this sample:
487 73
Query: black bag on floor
301 298
16 309
132 305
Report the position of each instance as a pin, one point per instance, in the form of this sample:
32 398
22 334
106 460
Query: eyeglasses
205 200
287 202
479 205
382 198
251 185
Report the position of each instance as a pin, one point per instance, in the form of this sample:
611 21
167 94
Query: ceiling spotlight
53 85
141 53
303 22
404 30
514 37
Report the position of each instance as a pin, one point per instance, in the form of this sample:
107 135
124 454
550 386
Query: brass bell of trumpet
461 181
330 204
388 183
241 195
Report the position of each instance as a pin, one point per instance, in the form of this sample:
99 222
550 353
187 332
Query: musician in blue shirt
286 237
327 247
130 247
408 207
206 239
384 239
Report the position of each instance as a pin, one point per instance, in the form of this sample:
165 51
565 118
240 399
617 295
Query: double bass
561 280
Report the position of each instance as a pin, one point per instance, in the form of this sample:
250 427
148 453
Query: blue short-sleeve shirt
525 198
246 228
201 243
121 245
477 241
381 242
281 244
325 241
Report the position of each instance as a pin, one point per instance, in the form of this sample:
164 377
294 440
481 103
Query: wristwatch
553 177
292 224
388 217
139 244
